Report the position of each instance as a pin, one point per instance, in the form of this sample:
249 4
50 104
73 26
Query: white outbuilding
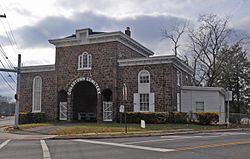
203 99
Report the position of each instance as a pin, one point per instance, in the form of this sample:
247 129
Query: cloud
146 28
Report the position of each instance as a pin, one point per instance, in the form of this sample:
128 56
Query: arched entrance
84 100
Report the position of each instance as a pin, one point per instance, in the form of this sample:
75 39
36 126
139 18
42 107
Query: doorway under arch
84 98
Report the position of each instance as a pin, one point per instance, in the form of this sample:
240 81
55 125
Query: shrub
38 117
23 118
206 118
149 117
177 117
28 117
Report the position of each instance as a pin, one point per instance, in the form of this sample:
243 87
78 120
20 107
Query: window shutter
151 102
136 102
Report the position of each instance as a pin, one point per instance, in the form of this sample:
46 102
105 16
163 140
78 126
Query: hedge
28 117
156 117
207 118
149 117
204 118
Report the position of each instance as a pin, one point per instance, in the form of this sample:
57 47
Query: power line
7 82
7 72
6 58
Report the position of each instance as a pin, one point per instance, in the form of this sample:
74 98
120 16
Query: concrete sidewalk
44 133
6 135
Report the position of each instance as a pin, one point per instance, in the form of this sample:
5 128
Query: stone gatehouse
89 73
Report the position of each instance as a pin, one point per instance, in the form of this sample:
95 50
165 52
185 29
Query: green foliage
177 117
203 118
156 117
207 118
149 117
234 76
25 117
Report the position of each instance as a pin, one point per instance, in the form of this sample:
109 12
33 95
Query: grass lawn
132 128
33 125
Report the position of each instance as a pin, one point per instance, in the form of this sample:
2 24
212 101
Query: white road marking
171 138
46 154
4 143
168 138
126 146
145 141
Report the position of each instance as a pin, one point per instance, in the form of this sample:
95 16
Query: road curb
107 136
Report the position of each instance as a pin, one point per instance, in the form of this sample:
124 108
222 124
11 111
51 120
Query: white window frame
178 74
144 77
178 99
85 61
144 102
37 94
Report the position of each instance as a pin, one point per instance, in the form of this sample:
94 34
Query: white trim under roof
195 88
40 68
156 60
83 37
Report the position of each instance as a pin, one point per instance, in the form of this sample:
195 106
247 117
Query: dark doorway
84 101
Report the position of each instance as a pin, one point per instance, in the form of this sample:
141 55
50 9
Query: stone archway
84 102
84 97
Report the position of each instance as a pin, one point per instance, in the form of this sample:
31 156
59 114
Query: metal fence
236 117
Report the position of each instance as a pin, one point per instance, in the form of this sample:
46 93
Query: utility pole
17 95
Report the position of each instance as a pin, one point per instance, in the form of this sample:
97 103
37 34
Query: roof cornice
156 60
40 68
83 37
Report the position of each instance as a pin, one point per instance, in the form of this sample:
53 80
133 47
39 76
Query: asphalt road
7 121
227 145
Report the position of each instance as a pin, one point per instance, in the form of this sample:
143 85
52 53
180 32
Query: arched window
144 76
37 94
84 61
144 99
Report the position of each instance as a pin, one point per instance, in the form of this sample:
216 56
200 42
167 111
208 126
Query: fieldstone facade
96 91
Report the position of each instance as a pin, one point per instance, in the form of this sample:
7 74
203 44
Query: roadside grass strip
4 144
46 153
125 146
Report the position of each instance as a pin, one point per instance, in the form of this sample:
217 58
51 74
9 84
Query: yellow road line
213 145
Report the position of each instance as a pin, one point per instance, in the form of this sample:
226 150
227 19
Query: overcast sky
34 22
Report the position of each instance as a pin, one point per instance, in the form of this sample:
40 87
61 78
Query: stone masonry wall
163 83
48 93
104 65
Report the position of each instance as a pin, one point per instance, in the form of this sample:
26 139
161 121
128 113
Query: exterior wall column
69 108
99 108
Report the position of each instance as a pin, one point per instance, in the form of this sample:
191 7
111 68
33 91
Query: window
37 94
178 78
84 61
178 102
144 76
199 106
144 102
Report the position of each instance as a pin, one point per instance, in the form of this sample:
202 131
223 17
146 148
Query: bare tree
207 42
174 34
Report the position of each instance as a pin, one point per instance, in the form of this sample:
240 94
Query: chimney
128 32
